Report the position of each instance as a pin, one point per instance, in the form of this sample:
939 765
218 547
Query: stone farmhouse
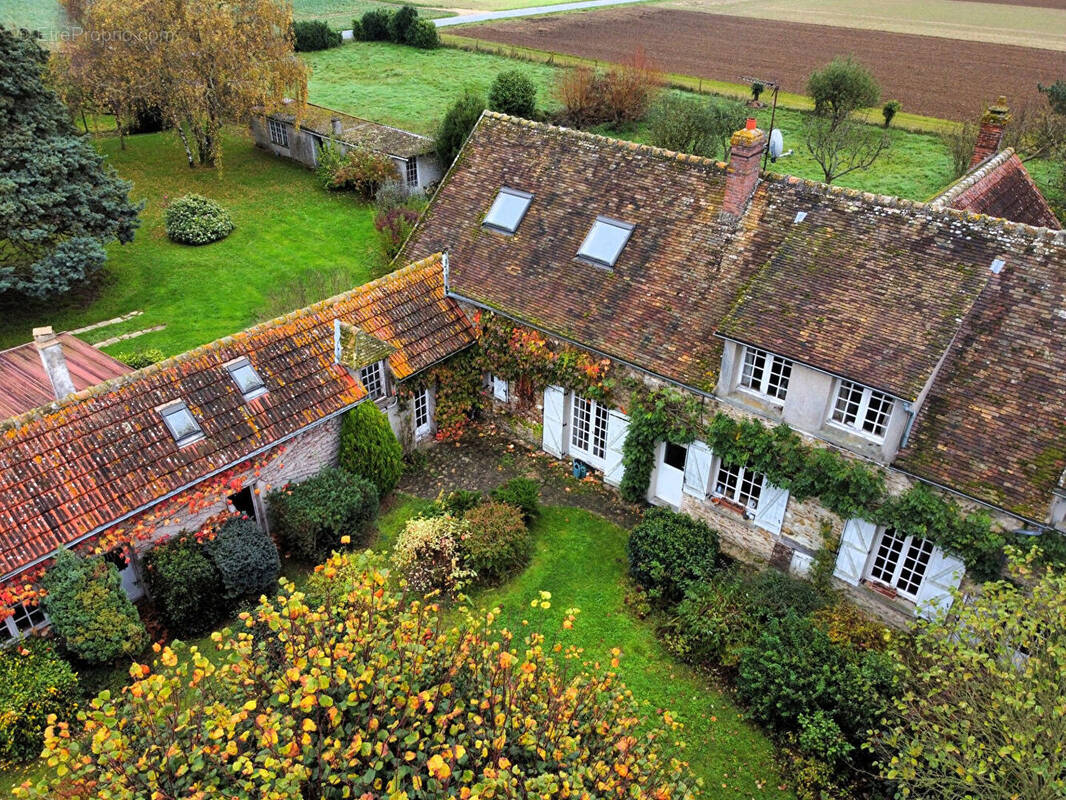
922 338
415 156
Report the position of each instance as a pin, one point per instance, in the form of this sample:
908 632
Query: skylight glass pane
508 209
246 378
605 241
180 422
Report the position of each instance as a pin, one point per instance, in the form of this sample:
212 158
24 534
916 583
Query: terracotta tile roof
1000 187
363 132
994 424
24 384
876 288
660 304
870 288
73 467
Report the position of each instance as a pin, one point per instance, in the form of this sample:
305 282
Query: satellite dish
777 144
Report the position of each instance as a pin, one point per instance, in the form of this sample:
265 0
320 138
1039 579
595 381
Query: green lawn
413 89
287 226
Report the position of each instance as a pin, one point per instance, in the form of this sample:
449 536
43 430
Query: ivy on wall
846 487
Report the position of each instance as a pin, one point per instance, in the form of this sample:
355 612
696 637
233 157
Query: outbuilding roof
24 384
74 467
1000 186
361 132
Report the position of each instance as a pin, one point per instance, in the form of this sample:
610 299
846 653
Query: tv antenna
773 86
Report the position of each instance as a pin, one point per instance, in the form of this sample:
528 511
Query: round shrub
401 20
792 669
246 558
314 34
193 219
311 517
522 493
185 585
423 35
668 551
513 93
374 25
34 682
370 449
90 612
139 359
770 594
554 722
427 554
497 544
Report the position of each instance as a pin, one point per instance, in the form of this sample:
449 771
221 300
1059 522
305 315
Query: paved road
488 16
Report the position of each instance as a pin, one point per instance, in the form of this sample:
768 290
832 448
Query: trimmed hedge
668 551
497 544
402 19
195 220
246 558
311 35
423 35
370 449
34 682
374 25
89 610
185 585
311 517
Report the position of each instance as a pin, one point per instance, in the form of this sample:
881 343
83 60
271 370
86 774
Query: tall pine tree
59 203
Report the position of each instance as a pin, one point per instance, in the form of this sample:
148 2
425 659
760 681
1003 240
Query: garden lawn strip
286 227
580 559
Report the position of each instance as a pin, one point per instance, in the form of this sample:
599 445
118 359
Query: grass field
413 89
286 226
1003 23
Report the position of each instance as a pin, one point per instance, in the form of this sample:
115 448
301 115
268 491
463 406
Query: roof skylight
605 241
181 423
246 378
507 210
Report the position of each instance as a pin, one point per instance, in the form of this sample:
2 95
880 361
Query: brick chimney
55 364
746 149
990 135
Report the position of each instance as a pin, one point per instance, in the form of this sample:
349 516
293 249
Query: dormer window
765 374
181 423
605 241
372 376
246 378
508 210
862 409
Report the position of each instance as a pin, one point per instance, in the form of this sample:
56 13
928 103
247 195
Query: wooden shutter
855 544
697 470
942 576
500 389
617 428
554 438
773 500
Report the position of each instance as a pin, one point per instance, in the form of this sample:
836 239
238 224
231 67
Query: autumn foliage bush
621 94
427 554
393 227
359 170
368 695
34 682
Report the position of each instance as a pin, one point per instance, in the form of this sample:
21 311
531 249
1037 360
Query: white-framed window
278 134
765 373
422 418
372 376
862 409
900 561
410 171
738 484
24 619
588 429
